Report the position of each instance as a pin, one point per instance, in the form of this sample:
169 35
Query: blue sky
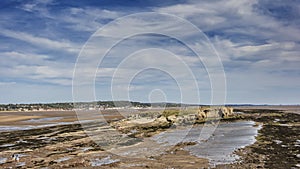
257 42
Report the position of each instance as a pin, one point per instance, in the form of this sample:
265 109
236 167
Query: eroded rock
205 112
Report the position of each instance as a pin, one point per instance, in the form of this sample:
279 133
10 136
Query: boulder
202 112
225 111
172 118
230 110
214 112
161 119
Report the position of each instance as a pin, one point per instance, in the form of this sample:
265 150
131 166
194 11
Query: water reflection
220 146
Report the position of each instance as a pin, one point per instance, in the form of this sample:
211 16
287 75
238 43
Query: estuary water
217 142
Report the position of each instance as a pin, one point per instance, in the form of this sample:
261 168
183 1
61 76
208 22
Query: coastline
69 146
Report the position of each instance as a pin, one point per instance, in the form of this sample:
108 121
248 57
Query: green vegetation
168 113
179 112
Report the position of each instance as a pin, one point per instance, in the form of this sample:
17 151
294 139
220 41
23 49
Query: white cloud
28 7
40 7
85 19
15 58
33 67
234 17
41 41
7 83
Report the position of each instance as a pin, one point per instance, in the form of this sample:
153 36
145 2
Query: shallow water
7 145
29 127
217 143
20 164
39 120
63 159
3 160
103 161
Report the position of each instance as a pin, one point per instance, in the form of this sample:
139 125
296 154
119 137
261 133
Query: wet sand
56 140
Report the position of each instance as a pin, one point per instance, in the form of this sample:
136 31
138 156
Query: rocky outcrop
172 118
142 128
227 112
138 126
205 112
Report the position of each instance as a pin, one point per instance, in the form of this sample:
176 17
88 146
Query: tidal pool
103 161
215 142
38 125
40 120
3 160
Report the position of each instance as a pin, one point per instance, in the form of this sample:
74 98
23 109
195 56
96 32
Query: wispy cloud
41 41
7 83
258 42
34 68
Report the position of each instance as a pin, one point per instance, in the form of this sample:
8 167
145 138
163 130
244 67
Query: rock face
227 111
160 121
214 112
172 118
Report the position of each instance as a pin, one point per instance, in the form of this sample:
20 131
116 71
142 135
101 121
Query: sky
241 51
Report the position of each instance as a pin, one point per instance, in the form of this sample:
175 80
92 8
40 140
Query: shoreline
53 143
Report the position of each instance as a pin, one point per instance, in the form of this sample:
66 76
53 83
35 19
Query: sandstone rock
230 110
214 112
202 112
161 119
172 118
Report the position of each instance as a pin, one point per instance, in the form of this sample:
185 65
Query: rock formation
145 126
205 112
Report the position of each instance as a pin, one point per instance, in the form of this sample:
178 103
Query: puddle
218 148
21 141
29 127
7 145
3 160
297 144
39 120
84 149
103 161
22 155
20 164
13 128
277 141
136 165
63 159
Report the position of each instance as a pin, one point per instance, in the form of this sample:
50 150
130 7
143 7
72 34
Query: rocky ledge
150 123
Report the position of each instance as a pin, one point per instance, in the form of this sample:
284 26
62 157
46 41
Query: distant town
97 105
